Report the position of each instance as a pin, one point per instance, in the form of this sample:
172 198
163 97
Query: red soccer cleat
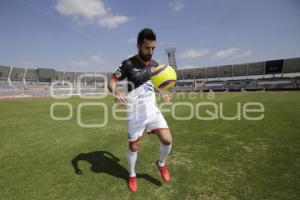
132 184
164 172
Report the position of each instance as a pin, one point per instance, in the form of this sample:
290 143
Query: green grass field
216 159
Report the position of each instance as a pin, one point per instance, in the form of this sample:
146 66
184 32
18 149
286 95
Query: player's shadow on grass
106 162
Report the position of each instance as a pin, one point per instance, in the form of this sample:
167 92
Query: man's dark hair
146 34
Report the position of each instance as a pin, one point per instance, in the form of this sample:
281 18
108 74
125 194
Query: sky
97 35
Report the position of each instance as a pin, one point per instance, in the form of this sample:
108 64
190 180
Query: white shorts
153 121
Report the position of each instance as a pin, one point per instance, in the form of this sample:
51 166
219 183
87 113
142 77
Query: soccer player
142 110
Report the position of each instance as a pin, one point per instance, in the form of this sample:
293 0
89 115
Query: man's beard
145 57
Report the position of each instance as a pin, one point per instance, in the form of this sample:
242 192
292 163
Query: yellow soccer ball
163 77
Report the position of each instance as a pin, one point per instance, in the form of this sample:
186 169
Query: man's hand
166 97
120 97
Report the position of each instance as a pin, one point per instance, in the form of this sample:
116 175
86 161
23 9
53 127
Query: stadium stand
256 68
4 73
291 65
69 76
276 83
268 75
199 73
226 71
216 86
17 74
212 72
31 76
240 70
59 76
80 77
179 74
188 74
185 86
282 74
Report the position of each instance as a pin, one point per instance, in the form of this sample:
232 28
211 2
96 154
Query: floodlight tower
171 57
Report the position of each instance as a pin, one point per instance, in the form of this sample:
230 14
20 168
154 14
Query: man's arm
119 75
118 95
165 96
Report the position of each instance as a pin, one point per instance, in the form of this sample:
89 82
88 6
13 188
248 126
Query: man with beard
142 110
